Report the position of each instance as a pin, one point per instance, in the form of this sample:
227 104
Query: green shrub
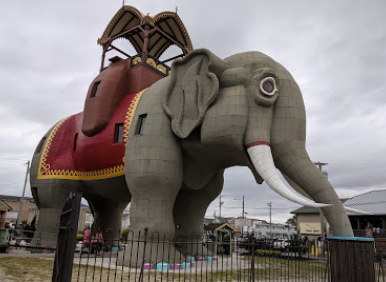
79 237
124 234
29 227
298 244
268 253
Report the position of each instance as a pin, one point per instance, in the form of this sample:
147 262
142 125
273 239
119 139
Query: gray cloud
335 50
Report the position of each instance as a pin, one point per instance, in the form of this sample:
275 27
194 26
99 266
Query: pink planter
199 258
147 266
175 266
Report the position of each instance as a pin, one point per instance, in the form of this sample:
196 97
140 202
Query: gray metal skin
175 172
106 204
199 122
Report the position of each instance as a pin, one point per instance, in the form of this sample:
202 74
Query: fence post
253 261
354 254
143 257
66 243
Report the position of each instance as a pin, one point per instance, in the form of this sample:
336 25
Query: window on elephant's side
75 139
118 134
95 89
140 124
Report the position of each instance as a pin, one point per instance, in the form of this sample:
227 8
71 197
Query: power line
13 159
358 168
11 183
360 163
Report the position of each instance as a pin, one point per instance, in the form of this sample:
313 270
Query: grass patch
269 253
271 267
26 269
17 269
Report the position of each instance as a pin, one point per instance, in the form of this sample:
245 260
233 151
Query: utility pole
220 204
243 208
22 196
270 219
320 165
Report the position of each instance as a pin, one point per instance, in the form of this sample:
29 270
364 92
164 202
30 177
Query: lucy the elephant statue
211 114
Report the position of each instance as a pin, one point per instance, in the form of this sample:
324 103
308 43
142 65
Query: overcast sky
335 50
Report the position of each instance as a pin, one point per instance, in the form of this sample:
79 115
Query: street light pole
220 204
320 165
242 216
270 219
22 196
243 208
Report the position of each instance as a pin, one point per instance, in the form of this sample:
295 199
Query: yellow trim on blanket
45 171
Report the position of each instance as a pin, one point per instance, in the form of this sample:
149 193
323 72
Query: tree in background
125 234
30 227
292 220
298 244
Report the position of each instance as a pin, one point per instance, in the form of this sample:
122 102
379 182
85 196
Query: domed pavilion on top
149 35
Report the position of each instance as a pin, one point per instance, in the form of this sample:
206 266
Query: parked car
281 244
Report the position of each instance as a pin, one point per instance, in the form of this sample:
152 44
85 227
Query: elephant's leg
153 170
154 177
189 213
108 217
49 196
153 210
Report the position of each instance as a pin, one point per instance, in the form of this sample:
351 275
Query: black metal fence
152 257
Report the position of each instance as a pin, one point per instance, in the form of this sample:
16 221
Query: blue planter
163 266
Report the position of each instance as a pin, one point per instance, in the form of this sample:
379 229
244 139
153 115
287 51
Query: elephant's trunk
292 159
261 158
287 138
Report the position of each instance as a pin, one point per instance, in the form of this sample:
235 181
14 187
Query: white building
126 218
262 229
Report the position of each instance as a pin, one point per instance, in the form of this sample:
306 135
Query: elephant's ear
193 87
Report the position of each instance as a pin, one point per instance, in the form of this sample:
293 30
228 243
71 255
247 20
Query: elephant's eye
268 86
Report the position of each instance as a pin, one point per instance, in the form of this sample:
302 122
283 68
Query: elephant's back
66 153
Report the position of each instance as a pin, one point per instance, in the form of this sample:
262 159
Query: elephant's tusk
261 158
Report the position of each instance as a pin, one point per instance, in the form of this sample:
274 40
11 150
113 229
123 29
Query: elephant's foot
194 249
46 234
203 251
135 253
108 218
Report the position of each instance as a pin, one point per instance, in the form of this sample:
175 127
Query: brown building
373 203
373 207
309 222
14 203
4 209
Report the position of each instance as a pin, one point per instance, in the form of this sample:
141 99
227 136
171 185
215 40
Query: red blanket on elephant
69 154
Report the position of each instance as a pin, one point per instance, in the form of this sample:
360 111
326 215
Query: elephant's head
275 118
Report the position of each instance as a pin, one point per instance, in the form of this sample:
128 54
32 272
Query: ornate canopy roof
127 23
